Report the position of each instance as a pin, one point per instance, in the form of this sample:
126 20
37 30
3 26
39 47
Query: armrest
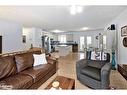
80 64
106 67
51 60
105 75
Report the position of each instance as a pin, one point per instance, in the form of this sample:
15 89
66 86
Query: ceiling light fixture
57 31
79 9
84 28
75 9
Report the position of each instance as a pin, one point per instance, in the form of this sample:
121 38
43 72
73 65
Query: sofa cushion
97 64
24 61
18 81
92 72
38 72
7 66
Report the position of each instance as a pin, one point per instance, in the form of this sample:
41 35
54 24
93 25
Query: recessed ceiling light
57 31
75 9
84 28
79 9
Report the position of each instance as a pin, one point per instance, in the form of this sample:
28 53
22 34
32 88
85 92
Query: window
89 41
82 43
62 38
104 41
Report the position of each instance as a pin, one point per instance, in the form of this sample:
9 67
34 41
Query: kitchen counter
64 49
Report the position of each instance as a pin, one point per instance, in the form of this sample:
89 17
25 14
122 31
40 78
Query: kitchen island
64 50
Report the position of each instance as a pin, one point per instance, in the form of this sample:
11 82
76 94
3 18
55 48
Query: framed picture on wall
124 31
24 39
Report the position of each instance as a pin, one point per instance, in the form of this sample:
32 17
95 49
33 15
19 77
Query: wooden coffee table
65 83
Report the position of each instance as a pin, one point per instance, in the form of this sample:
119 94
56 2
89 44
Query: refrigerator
46 43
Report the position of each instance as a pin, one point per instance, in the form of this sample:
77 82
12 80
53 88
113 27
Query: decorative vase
113 61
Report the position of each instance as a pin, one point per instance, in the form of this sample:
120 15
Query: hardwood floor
67 68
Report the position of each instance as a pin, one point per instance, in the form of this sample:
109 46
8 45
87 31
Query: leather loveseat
17 71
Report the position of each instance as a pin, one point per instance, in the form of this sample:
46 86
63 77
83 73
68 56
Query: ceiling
59 17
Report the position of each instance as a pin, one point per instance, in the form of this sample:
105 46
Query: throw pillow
39 59
98 55
95 55
104 56
24 61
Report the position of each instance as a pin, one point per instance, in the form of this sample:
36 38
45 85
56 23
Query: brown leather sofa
17 71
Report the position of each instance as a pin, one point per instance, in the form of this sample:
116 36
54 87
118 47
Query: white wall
33 36
55 37
120 21
12 36
93 34
28 32
37 34
75 36
69 36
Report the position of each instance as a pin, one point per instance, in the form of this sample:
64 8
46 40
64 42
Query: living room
66 35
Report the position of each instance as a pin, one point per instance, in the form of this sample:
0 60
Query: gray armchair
94 74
